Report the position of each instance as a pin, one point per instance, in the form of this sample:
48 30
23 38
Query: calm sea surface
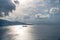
30 32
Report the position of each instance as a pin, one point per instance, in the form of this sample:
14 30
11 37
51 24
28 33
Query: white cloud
54 10
42 16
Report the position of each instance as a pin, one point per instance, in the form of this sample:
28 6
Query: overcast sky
30 11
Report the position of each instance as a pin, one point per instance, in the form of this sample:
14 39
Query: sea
30 32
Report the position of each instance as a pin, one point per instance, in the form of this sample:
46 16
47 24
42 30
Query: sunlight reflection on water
30 32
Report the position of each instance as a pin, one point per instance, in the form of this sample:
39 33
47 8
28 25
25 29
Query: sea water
30 32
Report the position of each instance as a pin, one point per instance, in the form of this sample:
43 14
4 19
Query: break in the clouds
35 11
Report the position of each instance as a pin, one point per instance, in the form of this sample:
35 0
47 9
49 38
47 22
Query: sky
30 11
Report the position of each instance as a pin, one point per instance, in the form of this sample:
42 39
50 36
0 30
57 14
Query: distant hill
47 23
8 23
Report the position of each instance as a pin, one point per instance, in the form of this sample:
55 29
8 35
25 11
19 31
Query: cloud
16 1
42 16
39 11
54 10
34 11
6 6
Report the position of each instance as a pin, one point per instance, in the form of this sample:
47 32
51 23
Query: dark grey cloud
16 1
6 6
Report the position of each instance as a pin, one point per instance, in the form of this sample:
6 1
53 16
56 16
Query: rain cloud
6 6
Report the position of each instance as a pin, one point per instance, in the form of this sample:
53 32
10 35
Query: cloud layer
35 11
6 6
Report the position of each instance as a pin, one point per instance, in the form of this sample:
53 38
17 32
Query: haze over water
31 32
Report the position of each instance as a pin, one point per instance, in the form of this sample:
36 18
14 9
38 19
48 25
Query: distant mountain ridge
8 23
